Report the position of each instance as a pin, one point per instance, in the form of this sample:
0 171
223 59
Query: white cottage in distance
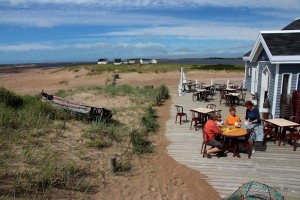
148 61
102 61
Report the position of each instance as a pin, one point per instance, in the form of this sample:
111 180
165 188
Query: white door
264 89
254 80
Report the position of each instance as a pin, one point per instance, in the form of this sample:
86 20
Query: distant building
103 61
153 61
145 61
118 61
131 61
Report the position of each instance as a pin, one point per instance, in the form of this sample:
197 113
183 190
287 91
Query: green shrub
140 144
149 120
9 98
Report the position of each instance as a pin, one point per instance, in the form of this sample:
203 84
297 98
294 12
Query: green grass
33 134
95 69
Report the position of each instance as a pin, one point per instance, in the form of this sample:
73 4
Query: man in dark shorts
213 135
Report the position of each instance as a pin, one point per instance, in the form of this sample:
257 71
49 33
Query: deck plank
273 165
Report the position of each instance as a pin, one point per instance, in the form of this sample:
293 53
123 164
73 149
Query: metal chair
180 113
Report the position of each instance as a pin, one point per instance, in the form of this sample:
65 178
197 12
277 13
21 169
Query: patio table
282 124
233 133
203 112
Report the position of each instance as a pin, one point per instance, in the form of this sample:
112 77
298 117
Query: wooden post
113 163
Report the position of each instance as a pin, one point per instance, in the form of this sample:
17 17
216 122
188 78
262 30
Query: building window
249 71
286 83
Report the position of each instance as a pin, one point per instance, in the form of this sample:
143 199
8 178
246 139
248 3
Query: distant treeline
219 67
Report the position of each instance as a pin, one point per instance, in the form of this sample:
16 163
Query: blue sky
86 30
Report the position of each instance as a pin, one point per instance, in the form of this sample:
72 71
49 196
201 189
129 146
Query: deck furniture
203 112
268 128
180 113
293 133
196 119
234 133
282 124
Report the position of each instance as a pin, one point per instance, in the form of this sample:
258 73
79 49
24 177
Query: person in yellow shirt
232 117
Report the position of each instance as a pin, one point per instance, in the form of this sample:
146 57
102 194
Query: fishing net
255 191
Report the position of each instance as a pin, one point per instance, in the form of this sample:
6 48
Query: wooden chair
211 106
180 113
268 128
293 133
196 119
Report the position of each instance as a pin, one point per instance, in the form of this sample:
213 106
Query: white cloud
26 47
200 32
278 4
76 46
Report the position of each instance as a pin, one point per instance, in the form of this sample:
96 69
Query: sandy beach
156 176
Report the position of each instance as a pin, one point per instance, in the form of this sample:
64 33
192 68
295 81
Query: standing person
213 134
253 124
232 118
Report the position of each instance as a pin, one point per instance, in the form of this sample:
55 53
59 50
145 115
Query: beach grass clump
219 67
9 98
149 120
106 132
44 150
122 167
46 170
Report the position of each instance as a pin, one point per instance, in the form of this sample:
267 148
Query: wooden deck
273 165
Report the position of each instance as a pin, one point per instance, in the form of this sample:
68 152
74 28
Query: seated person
232 118
213 132
220 122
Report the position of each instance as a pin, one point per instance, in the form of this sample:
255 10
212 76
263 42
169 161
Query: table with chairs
284 125
233 137
203 112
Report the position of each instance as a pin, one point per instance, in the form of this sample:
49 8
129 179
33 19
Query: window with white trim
286 83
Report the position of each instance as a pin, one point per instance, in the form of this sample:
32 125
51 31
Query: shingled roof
295 25
281 46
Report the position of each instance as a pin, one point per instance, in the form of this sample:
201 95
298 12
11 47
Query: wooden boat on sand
93 113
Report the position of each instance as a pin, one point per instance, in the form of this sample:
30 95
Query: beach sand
157 176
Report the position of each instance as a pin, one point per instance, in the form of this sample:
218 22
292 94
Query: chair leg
203 149
295 144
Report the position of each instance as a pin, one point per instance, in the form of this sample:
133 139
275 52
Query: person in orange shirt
232 118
